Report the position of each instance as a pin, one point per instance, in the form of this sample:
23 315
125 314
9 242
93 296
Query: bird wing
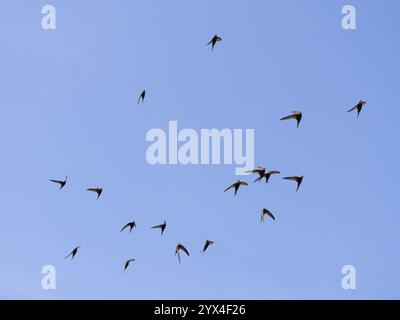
274 172
292 116
353 108
291 178
69 254
270 214
184 250
125 226
206 246
57 181
230 187
244 183
252 171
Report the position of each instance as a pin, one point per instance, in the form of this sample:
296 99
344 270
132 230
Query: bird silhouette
161 226
236 186
206 245
142 96
267 175
178 248
73 253
97 190
298 179
62 183
296 115
260 171
127 263
266 212
214 41
358 107
131 225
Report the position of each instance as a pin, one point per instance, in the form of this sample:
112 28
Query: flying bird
214 41
62 183
161 226
296 115
266 212
97 190
131 225
358 107
127 263
268 175
298 179
206 245
259 170
236 186
178 248
73 253
142 96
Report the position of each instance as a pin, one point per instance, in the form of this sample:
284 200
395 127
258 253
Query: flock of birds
260 171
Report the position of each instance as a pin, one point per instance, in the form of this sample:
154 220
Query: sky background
68 107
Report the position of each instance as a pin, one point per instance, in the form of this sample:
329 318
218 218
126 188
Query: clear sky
68 107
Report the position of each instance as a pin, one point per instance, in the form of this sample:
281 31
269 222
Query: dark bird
161 226
214 41
62 183
358 107
260 171
127 263
97 190
236 186
296 115
73 253
266 212
142 96
298 179
206 245
131 225
268 175
178 248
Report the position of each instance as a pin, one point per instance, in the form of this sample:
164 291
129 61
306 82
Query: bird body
142 96
265 175
236 186
177 250
96 190
296 115
161 226
127 263
206 245
298 179
268 175
265 212
358 107
259 170
73 253
62 183
214 41
131 225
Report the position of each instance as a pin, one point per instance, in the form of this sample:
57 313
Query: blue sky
68 106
